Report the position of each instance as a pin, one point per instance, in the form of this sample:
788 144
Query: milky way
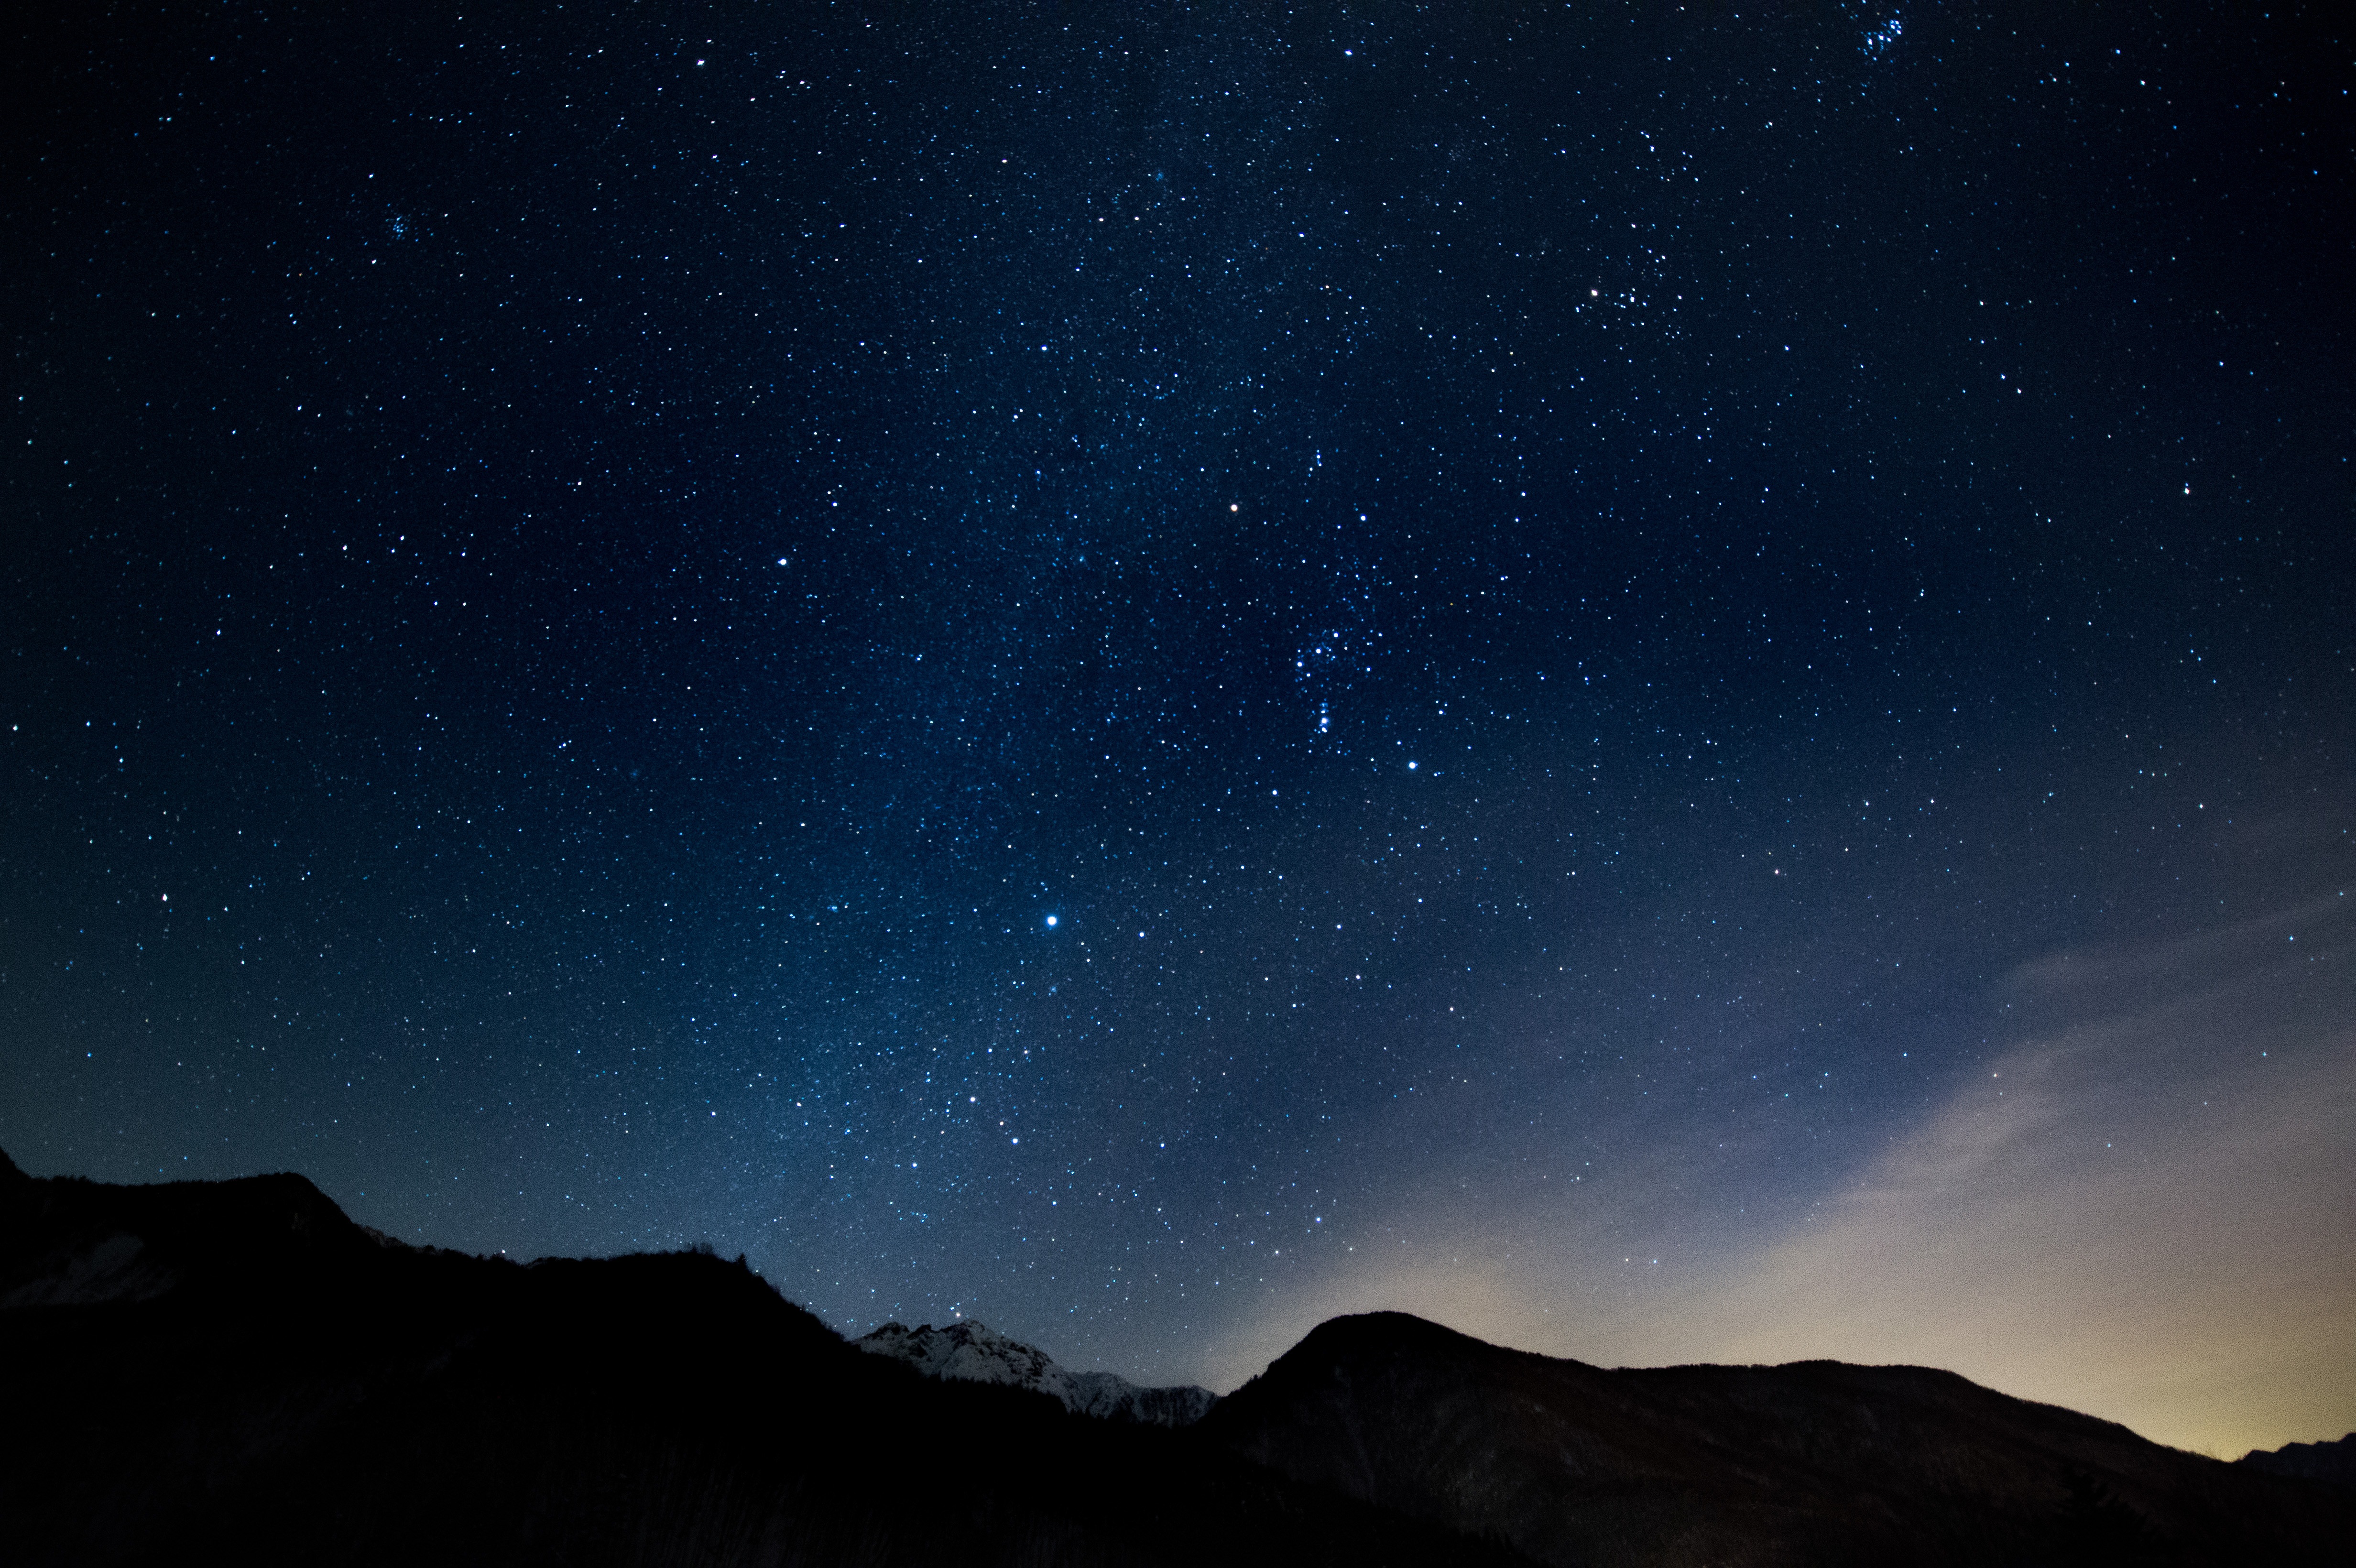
1665 683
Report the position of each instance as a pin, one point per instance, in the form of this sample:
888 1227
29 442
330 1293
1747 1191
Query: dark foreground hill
235 1371
1817 1463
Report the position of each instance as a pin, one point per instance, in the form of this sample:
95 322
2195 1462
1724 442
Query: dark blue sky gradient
1552 600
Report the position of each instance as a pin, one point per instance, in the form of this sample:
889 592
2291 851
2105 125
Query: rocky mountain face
1816 1463
974 1352
201 1371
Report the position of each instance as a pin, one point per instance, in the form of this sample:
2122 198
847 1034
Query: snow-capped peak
975 1352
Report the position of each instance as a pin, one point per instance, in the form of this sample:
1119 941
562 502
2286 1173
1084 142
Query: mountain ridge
213 1366
1809 1462
2333 1461
285 1387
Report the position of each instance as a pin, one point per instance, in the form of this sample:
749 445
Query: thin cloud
2138 1208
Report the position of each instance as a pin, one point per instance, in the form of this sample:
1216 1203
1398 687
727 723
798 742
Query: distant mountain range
2334 1462
199 1371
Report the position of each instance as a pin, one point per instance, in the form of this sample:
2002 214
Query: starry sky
1669 683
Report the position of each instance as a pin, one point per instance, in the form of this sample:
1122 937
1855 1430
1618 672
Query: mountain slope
1815 1463
2334 1461
973 1352
68 1241
235 1371
198 1370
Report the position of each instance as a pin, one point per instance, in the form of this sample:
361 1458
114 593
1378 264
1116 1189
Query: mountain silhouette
2334 1461
215 1370
1817 1462
201 1372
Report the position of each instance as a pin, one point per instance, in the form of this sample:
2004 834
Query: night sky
1667 683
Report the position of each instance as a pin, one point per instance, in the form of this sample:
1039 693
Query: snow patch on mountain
975 1352
117 1267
